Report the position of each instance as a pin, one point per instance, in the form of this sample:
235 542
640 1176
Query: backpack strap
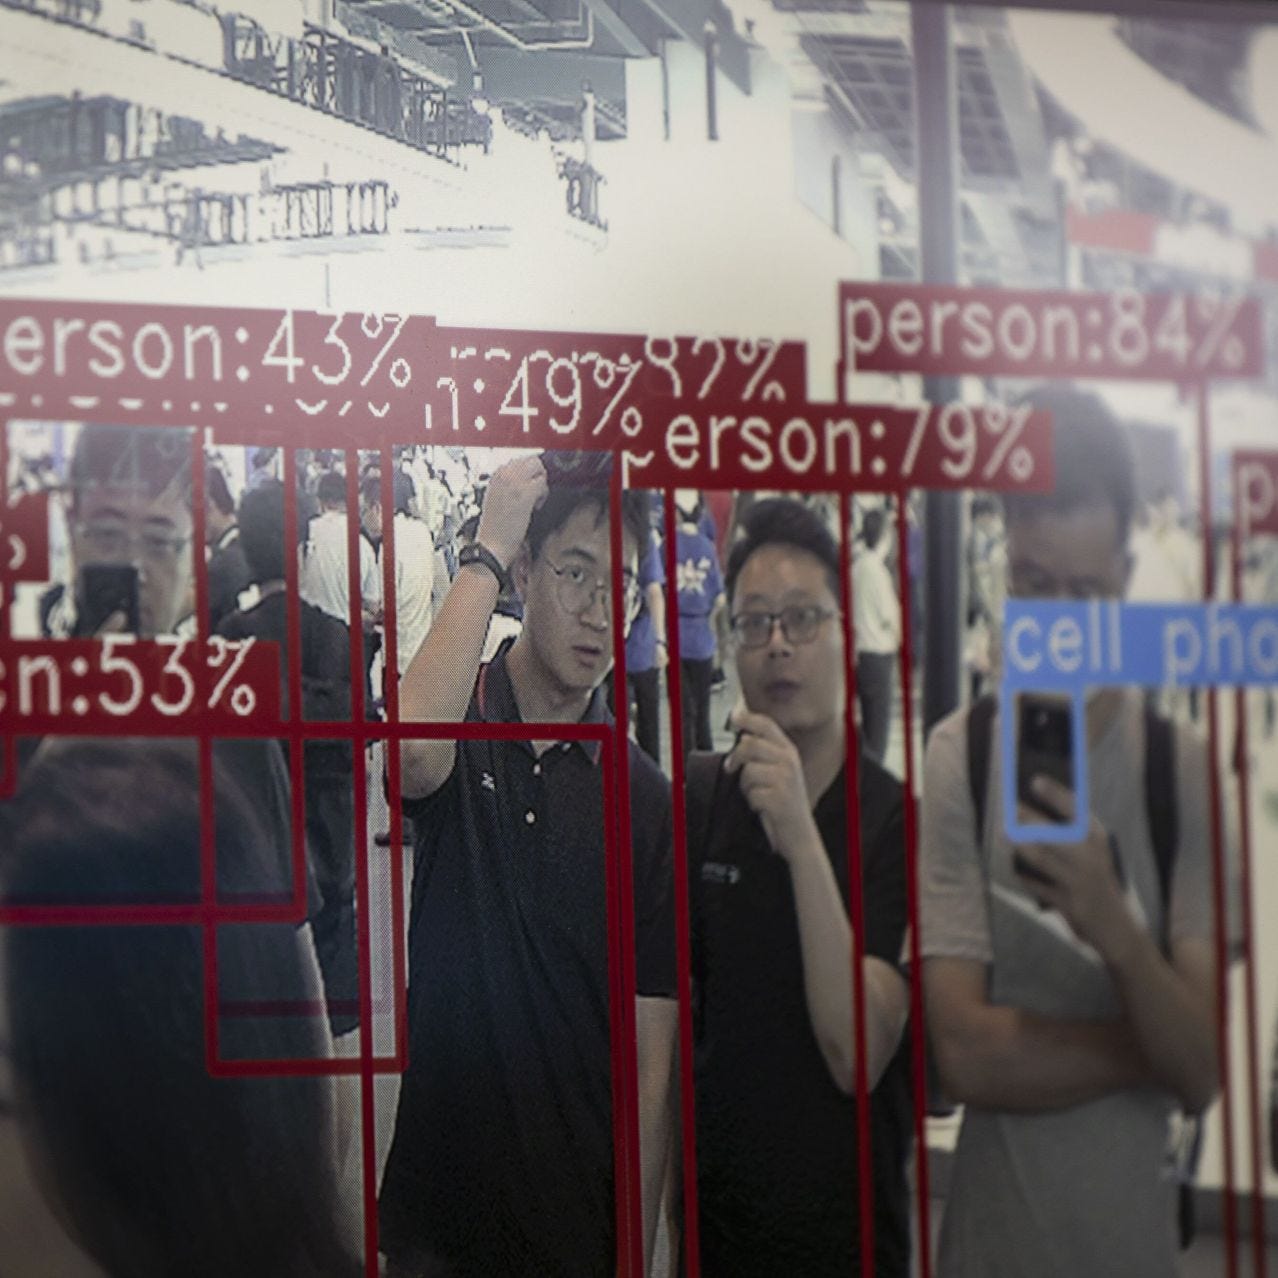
701 784
980 723
1160 799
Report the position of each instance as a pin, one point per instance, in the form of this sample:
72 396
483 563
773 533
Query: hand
514 492
1082 884
663 654
772 782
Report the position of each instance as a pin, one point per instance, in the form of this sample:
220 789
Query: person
414 573
876 614
647 654
700 587
1069 1012
152 1165
324 581
228 573
326 696
501 1160
777 1153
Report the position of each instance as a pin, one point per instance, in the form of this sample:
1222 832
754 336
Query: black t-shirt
502 1159
777 1156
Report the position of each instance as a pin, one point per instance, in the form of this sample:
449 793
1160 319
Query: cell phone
580 469
1044 747
106 589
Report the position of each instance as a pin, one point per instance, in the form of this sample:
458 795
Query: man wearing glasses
776 1059
502 1157
1070 987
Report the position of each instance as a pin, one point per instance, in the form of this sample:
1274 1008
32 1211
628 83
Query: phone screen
1044 747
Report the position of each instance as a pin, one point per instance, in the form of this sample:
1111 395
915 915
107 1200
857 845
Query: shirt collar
495 701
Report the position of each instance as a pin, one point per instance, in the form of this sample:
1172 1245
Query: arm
657 1024
1170 1003
1004 1058
825 938
656 598
773 784
992 1056
437 685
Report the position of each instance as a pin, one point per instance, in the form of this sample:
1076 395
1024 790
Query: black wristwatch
477 553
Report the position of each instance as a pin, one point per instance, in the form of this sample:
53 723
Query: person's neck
539 696
822 751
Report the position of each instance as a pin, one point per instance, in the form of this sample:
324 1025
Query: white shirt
876 611
414 581
324 577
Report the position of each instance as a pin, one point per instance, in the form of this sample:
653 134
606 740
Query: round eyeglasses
577 590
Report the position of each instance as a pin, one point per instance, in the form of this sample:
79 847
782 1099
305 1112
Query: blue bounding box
1067 647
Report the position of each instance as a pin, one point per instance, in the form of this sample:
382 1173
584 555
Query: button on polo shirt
502 1157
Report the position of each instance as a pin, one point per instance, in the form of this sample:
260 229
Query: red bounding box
524 388
842 447
1177 337
252 373
24 540
1256 491
120 685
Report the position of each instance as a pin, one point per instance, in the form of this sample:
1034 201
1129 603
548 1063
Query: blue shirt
700 584
641 642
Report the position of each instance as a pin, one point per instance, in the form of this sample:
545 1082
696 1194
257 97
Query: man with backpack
1070 988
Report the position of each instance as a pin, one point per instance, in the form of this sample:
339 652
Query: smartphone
106 589
1044 747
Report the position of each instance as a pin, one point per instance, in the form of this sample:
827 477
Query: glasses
799 624
115 544
577 593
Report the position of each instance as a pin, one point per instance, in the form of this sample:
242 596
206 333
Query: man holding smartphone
1070 988
502 1157
768 829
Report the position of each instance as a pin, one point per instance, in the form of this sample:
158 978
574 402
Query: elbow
958 1068
839 1060
1197 1093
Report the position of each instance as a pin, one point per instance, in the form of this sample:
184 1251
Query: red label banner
1256 491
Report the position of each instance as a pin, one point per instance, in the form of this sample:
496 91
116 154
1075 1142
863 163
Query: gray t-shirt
1082 1190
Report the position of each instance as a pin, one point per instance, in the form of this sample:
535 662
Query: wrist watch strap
477 553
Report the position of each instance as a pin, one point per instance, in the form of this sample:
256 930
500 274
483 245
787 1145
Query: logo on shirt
486 782
719 872
691 575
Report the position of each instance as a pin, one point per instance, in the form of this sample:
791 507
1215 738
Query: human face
573 648
1073 554
126 525
798 685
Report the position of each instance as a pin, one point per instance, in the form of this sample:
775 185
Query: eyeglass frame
778 618
632 593
135 544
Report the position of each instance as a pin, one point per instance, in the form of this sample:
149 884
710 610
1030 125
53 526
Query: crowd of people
1069 989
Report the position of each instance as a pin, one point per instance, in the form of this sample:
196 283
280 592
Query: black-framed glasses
116 544
576 589
800 623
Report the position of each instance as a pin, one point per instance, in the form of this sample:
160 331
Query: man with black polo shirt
502 1158
777 1153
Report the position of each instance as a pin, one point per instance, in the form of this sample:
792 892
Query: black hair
782 521
159 1167
148 459
218 491
1092 459
331 489
470 529
564 500
402 488
872 525
262 531
370 490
